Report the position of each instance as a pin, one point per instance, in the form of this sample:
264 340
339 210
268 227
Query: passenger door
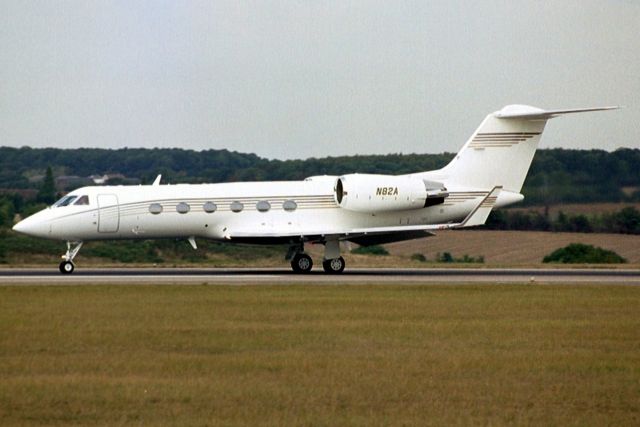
108 213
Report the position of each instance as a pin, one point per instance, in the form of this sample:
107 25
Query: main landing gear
67 266
302 263
333 266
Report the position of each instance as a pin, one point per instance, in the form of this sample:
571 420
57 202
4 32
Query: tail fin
500 151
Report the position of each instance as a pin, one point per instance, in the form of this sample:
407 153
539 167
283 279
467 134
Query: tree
579 253
627 221
7 211
47 193
580 224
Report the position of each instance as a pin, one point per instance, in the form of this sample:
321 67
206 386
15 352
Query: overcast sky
312 78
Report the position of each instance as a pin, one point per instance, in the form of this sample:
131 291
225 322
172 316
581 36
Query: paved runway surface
243 276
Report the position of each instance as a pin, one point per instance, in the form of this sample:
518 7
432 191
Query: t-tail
500 151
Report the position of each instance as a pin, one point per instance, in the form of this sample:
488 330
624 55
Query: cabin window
183 208
83 200
65 201
155 208
263 206
209 207
289 205
236 206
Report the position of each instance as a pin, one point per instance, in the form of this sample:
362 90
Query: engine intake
383 193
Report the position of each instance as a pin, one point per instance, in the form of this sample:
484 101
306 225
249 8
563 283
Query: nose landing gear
67 266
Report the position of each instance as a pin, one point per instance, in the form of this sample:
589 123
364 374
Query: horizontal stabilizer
533 113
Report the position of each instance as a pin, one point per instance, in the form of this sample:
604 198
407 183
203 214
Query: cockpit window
65 201
82 200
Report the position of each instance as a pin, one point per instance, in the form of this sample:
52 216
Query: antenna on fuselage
157 181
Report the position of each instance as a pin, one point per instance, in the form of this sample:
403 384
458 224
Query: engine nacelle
383 193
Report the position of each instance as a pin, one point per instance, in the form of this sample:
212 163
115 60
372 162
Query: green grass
320 355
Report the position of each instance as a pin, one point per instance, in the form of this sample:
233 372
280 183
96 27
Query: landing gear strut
333 263
67 266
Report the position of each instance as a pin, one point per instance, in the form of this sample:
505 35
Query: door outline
106 222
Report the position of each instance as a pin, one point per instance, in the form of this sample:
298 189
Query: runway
362 276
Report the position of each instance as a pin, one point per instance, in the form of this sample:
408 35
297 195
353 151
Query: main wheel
333 266
66 267
301 263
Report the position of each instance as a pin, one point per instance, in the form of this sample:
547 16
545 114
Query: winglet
479 215
157 181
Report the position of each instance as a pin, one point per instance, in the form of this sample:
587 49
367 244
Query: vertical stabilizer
500 151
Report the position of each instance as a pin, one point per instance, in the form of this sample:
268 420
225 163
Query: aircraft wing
373 235
384 238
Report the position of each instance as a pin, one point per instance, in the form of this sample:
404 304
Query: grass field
325 355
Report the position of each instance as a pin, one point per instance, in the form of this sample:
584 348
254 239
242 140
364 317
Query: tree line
556 175
624 221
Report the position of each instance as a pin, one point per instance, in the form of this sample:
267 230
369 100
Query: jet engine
383 193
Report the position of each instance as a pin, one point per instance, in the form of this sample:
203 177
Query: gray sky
308 78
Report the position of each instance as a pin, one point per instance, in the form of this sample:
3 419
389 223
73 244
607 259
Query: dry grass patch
325 355
514 248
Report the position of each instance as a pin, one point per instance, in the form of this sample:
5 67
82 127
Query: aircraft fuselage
214 211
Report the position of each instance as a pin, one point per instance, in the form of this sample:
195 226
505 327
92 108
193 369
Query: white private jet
366 209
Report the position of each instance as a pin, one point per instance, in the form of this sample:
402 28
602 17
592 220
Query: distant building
71 182
99 179
113 179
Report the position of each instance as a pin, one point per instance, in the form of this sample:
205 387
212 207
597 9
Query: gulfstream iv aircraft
367 209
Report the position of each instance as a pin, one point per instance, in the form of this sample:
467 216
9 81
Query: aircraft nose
20 227
32 227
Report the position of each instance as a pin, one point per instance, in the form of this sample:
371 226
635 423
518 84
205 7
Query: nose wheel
66 267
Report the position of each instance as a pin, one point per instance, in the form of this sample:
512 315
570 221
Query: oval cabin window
263 206
182 208
236 206
209 207
289 205
155 208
